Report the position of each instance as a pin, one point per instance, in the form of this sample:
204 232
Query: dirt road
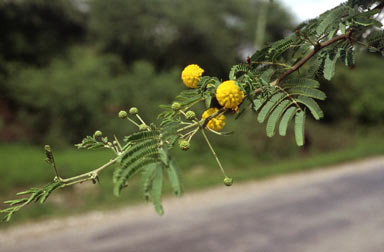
339 209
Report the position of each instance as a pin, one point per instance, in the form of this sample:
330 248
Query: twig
316 49
213 152
88 175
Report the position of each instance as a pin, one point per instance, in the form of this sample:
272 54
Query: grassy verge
23 167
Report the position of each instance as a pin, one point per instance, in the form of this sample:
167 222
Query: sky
304 9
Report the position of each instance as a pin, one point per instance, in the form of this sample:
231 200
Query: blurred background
67 67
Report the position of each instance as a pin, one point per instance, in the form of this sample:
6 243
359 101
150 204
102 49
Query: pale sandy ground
340 208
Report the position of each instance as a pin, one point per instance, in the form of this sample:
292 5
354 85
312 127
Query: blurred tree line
68 66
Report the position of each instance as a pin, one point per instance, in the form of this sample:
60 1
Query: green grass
23 167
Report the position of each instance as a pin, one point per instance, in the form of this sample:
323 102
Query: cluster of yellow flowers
228 94
191 75
217 122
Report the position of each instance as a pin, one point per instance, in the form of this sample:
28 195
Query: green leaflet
329 65
174 178
288 115
257 103
147 177
366 20
268 106
266 76
236 69
299 127
280 47
275 116
34 195
186 98
315 67
189 96
300 82
375 36
350 57
312 105
163 156
129 171
137 150
169 131
157 187
331 17
48 190
260 55
141 136
342 28
141 146
203 82
309 92
90 143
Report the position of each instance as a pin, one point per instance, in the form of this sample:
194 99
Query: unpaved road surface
339 209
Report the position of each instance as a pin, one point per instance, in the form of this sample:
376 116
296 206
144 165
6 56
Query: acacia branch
316 49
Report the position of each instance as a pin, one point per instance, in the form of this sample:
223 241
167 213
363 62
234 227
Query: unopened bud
98 133
123 114
133 111
190 115
228 181
176 106
184 145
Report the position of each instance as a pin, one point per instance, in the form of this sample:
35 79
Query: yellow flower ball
191 75
229 95
217 122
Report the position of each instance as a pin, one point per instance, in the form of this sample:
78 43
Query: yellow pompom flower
229 95
191 75
217 122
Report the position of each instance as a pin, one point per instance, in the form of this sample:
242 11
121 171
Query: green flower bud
133 111
176 106
143 127
123 114
184 145
228 181
98 133
190 115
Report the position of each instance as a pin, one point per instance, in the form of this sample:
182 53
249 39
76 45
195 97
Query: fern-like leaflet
290 101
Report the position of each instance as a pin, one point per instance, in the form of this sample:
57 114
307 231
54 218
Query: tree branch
316 49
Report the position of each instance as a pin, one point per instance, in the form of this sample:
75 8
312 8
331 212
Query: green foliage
90 143
147 151
173 34
359 98
90 89
45 29
34 195
330 19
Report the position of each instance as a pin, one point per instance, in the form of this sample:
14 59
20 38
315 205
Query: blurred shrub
175 33
32 31
76 95
357 94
